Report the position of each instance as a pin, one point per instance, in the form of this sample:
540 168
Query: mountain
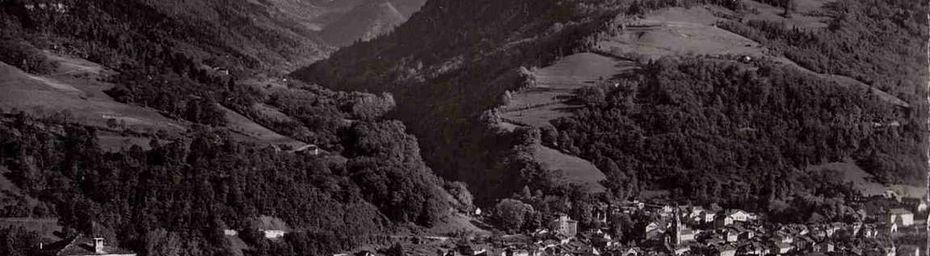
286 34
139 107
167 127
312 14
463 89
364 22
342 22
267 34
445 81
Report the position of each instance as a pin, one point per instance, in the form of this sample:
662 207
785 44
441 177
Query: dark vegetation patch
193 187
185 189
717 132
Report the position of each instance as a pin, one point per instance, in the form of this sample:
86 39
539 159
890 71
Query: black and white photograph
464 127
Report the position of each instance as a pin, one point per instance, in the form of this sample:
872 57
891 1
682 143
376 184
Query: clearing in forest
805 15
555 85
84 99
677 31
548 99
574 170
75 88
681 31
251 130
865 183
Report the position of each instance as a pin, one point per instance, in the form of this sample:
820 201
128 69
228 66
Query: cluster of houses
695 230
46 6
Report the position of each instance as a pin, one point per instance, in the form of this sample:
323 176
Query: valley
390 127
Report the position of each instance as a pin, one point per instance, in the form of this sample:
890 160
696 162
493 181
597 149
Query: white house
274 234
732 235
726 250
902 217
709 216
825 247
565 226
681 249
696 214
308 149
783 248
740 215
687 235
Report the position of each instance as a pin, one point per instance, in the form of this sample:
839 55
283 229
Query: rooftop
81 246
899 211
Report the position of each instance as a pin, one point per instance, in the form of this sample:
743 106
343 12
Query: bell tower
676 228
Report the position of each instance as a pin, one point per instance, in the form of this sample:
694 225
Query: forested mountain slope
443 82
364 22
184 65
450 85
192 187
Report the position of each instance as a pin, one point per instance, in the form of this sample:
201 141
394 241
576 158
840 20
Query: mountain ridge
364 22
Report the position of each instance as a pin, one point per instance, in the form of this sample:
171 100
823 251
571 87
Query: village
698 230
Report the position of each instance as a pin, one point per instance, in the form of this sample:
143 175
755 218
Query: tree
511 213
617 180
549 136
162 243
16 241
459 191
789 7
395 250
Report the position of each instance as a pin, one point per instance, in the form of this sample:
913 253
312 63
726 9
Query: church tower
676 228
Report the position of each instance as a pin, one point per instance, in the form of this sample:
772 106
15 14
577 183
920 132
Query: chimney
98 245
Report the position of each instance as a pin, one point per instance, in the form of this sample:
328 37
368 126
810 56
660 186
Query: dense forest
194 186
177 197
721 132
445 83
167 62
879 42
711 130
115 32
